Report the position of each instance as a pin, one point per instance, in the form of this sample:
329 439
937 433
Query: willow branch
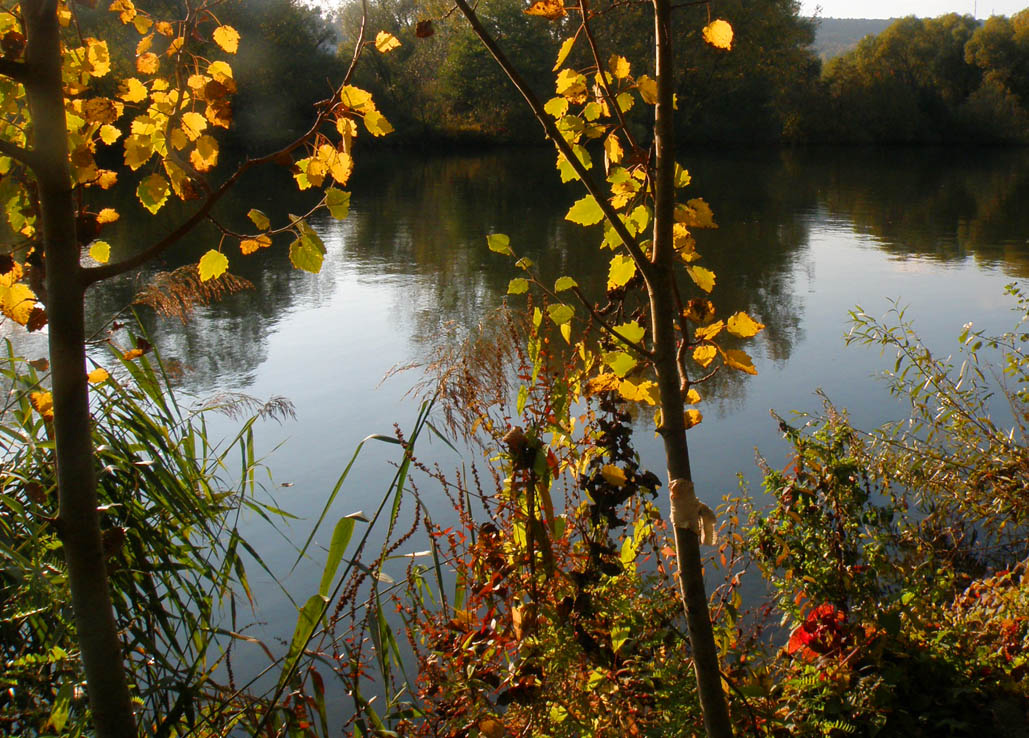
629 241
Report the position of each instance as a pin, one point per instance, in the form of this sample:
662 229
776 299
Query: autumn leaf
338 203
307 252
621 363
563 52
385 42
645 391
560 313
500 243
132 90
647 88
692 397
100 251
692 417
17 302
43 402
259 219
376 123
740 361
518 286
719 34
572 85
132 354
107 215
709 331
109 134
98 375
556 106
549 9
621 270
613 475
704 355
148 63
212 265
704 278
742 325
193 124
227 38
205 156
153 192
632 332
585 212
564 283
250 245
606 382
424 29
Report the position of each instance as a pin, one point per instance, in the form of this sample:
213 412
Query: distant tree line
945 79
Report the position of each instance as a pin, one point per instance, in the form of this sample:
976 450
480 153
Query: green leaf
585 212
518 286
340 539
564 283
307 253
259 219
500 243
620 362
632 332
622 269
212 265
153 192
556 106
560 313
309 616
338 203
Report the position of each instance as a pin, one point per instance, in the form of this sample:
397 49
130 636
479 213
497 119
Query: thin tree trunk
673 428
78 523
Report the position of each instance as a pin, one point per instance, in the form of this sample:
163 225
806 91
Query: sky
900 8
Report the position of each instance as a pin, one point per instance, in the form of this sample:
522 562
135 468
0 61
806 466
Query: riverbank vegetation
559 601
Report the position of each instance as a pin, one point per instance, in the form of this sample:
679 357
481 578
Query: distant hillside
835 36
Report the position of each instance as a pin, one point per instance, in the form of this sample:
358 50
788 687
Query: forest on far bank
935 80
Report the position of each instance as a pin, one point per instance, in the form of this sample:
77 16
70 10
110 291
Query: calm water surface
803 238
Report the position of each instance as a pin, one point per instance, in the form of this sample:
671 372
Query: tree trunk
673 427
78 523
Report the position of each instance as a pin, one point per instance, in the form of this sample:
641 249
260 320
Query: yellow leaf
193 124
645 391
647 88
613 475
205 155
619 66
386 42
556 106
518 286
692 397
563 52
109 134
605 382
179 140
613 149
98 375
695 214
212 265
743 326
222 72
704 355
153 192
144 44
572 85
107 215
142 24
132 354
259 219
132 90
718 33
704 278
341 167
356 98
227 38
148 63
549 9
709 331
621 270
740 361
376 123
692 417
100 251
700 311
98 56
164 28
250 245
106 178
17 302
43 402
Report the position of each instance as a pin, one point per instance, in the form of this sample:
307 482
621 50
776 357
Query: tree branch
25 156
18 71
629 241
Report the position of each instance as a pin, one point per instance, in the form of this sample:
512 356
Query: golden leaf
692 397
43 402
250 245
205 155
109 134
645 391
132 354
227 38
98 375
704 278
740 361
619 66
692 417
148 63
709 331
193 124
718 33
385 42
704 355
100 251
648 89
549 9
17 302
212 265
106 178
132 90
107 215
564 51
605 382
613 475
743 326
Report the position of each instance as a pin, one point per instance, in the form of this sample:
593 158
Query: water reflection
417 226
